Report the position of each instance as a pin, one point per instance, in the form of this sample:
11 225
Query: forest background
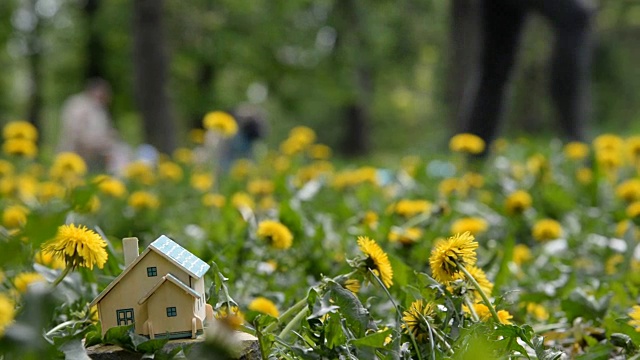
370 76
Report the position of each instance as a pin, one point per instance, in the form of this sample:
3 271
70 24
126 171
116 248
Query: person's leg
502 25
571 62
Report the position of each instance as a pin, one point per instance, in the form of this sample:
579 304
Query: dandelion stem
474 315
477 287
395 306
292 310
296 319
62 275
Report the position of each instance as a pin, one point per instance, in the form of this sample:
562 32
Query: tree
150 75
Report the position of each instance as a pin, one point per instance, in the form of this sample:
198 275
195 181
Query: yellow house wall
132 287
199 307
169 295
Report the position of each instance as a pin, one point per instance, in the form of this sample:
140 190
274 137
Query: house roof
171 251
174 280
180 256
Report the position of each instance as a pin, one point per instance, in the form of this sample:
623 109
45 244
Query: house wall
169 295
132 287
200 309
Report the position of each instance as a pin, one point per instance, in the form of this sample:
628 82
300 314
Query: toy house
160 291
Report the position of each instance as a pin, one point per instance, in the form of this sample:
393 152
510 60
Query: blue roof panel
181 256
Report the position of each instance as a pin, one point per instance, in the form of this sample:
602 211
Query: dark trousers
503 21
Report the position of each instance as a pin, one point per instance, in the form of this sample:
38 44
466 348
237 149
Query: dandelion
481 278
261 187
78 246
448 186
168 170
521 254
14 217
370 219
68 165
446 254
352 285
473 225
23 280
409 208
111 187
405 236
49 190
141 200
230 316
484 313
635 317
610 266
201 181
584 175
183 155
241 200
265 306
518 201
141 172
213 200
20 147
7 313
629 190
576 150
546 229
537 311
278 235
20 130
319 152
633 210
221 122
377 260
47 259
467 143
416 317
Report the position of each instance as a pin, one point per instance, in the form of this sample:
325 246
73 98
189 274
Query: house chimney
130 248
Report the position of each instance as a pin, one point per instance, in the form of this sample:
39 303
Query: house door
124 316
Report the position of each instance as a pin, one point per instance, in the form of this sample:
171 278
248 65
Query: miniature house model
160 291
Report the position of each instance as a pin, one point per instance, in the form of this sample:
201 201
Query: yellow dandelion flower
241 168
409 208
230 317
633 210
608 142
196 136
202 181
242 200
213 200
278 235
183 155
467 143
319 152
370 219
629 190
633 148
546 229
23 280
521 254
416 317
6 168
49 190
405 236
459 248
481 278
20 130
20 147
584 175
484 314
537 311
141 172
7 313
78 246
267 202
473 180
474 225
281 163
576 150
141 200
352 285
635 317
47 259
67 165
14 217
168 170
260 187
112 187
220 122
265 306
452 185
611 265
518 201
377 260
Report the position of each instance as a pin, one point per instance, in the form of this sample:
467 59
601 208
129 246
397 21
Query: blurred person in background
502 25
87 129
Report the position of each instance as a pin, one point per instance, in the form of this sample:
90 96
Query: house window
124 316
171 311
152 271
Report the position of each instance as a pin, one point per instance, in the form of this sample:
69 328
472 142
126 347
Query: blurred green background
370 76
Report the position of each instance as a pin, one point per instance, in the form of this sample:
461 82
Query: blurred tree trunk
150 75
34 47
351 44
95 53
464 47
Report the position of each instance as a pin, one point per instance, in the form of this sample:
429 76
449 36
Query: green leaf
151 346
375 340
598 352
401 271
541 352
119 335
579 304
624 341
356 315
333 332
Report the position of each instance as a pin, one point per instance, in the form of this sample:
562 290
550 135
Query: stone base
250 348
